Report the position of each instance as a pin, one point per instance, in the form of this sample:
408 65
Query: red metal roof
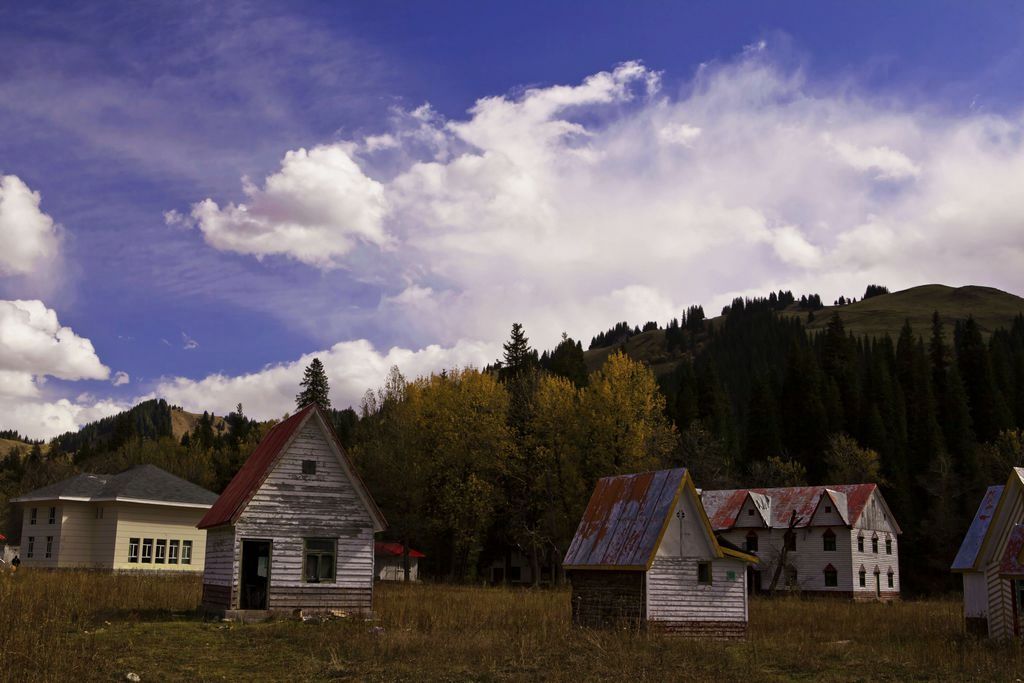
1011 564
624 519
393 550
723 507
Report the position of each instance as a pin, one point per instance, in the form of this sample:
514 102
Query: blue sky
207 194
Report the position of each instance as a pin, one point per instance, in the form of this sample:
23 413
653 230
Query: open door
255 574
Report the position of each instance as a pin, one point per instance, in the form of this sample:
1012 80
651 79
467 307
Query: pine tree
315 388
518 355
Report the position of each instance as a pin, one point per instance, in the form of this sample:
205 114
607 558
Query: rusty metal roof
971 544
723 507
247 481
1012 565
624 520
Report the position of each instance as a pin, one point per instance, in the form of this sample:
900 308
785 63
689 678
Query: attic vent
828 508
309 466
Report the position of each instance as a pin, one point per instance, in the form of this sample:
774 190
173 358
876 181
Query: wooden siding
975 595
219 567
391 569
86 541
607 598
291 506
40 530
674 594
1000 593
138 520
685 535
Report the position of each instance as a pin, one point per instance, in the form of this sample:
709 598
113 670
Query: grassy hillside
184 422
991 308
7 444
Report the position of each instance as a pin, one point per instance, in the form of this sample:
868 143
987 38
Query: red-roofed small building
390 565
294 528
843 540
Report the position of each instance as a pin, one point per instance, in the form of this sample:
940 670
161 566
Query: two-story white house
141 519
835 540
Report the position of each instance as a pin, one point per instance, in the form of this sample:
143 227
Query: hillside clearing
104 626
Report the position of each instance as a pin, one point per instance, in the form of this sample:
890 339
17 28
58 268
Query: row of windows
33 515
31 552
828 542
862 578
167 551
832 577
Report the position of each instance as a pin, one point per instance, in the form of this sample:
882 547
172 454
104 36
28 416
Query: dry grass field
83 626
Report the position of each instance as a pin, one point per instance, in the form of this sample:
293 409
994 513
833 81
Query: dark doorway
753 581
255 574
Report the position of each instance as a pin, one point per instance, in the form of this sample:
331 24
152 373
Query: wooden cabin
143 519
838 540
294 528
645 555
991 561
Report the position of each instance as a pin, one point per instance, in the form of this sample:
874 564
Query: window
890 579
751 542
99 513
790 541
888 546
172 551
750 512
831 577
147 550
515 573
309 466
828 541
860 544
704 573
874 544
32 516
53 515
186 552
49 547
862 578
31 546
319 562
161 551
133 550
828 508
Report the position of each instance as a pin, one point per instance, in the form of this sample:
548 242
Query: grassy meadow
85 626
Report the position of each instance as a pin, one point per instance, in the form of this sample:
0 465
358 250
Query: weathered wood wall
677 601
607 598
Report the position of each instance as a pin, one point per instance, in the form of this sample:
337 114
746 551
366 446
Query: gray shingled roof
142 482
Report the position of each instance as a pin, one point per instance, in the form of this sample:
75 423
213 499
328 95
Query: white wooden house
645 554
294 528
389 562
991 561
142 519
844 540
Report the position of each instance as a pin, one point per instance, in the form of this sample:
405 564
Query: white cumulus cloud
120 378
28 237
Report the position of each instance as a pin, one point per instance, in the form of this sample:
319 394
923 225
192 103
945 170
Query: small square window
828 508
186 552
309 466
53 515
704 573
49 546
161 551
32 515
133 550
172 551
750 512
319 560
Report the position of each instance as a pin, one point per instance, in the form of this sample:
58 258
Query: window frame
828 538
888 546
31 546
860 543
133 549
319 553
752 536
160 551
705 576
147 551
49 548
874 545
52 518
186 552
862 578
173 546
790 541
309 468
891 580
33 515
831 577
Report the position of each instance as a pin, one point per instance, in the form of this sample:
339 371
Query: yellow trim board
739 555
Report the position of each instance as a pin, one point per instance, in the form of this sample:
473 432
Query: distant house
645 554
991 560
294 528
142 519
390 565
843 540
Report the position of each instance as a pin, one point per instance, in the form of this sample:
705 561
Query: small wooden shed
991 560
294 528
645 554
